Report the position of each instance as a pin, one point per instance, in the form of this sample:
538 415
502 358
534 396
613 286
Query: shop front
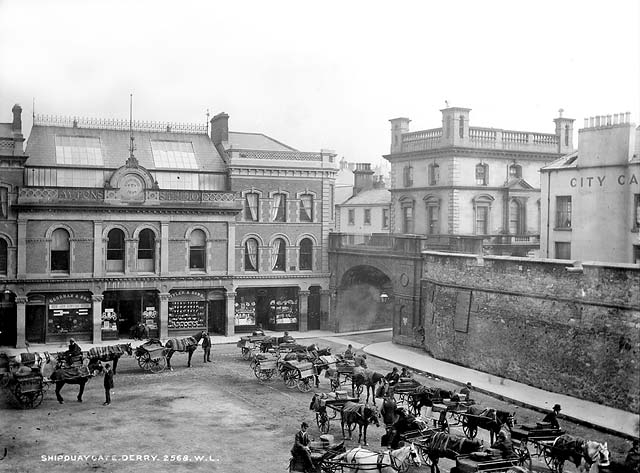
275 308
123 310
187 312
69 315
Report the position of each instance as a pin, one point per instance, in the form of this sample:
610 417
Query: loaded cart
27 388
152 356
264 365
535 441
300 374
249 345
484 462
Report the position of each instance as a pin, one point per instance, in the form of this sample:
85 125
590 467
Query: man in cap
301 449
466 390
552 417
504 445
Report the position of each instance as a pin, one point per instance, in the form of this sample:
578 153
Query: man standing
206 346
300 447
108 384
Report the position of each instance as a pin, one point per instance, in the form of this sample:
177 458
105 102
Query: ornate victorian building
471 181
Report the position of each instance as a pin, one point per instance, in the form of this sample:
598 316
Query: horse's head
370 415
598 453
412 455
505 418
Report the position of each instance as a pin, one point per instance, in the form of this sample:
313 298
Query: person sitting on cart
287 338
301 448
258 330
552 417
393 377
361 360
465 392
406 373
504 445
74 350
349 353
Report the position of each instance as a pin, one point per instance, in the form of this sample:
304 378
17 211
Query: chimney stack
16 126
362 178
220 129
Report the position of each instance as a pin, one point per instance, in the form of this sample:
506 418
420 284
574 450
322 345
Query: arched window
407 216
251 255
433 214
3 256
278 255
60 254
306 254
146 250
279 208
461 129
482 174
197 245
115 250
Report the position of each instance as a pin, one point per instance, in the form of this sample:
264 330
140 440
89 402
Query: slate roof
5 130
568 160
370 197
256 141
115 146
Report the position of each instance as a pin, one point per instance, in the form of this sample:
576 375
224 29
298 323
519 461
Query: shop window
279 209
251 205
482 174
434 174
115 250
146 250
197 245
367 216
515 171
306 208
352 216
60 250
3 256
251 255
278 255
563 250
4 203
385 218
407 176
563 211
306 254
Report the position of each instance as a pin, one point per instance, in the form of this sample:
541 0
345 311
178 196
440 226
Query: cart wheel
158 364
444 425
28 400
554 464
335 384
322 419
359 390
143 361
290 379
469 430
262 375
424 454
246 354
524 457
305 385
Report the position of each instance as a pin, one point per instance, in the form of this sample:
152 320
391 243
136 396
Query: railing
404 244
482 134
119 124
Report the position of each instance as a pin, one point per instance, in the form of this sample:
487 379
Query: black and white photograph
319 237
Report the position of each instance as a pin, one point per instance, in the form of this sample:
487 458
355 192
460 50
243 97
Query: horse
69 375
109 353
425 396
582 453
489 419
369 379
186 344
354 413
442 444
404 423
386 462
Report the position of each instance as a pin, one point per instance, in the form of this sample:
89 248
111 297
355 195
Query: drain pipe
548 208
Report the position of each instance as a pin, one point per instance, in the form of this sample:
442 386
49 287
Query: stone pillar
164 315
325 308
332 321
229 328
231 247
97 317
303 308
22 249
21 317
98 250
164 248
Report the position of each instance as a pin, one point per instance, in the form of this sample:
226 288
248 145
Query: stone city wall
545 323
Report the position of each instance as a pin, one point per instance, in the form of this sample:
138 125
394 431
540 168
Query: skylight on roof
78 150
174 154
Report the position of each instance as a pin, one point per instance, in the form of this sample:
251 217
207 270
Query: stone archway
359 304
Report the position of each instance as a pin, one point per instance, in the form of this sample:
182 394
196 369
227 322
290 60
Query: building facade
281 272
591 198
464 180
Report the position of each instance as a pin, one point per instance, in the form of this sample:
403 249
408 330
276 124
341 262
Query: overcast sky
325 74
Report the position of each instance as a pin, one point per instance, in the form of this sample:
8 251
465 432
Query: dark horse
403 423
110 353
186 344
360 414
582 453
489 419
70 375
368 379
442 444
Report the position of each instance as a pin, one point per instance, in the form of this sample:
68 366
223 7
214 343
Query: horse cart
250 345
264 365
448 413
327 406
152 356
535 441
323 453
27 387
484 462
300 374
342 373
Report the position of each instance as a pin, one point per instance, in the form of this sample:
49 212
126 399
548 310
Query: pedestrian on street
108 384
301 449
206 346
552 417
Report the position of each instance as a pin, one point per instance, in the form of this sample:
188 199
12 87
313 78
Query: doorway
35 323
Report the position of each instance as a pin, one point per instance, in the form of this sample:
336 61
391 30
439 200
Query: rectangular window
174 154
407 220
78 150
482 220
331 197
367 216
434 174
352 216
251 201
177 180
481 175
408 176
563 211
432 220
385 218
4 203
563 250
306 208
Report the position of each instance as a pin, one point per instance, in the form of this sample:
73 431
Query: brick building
464 180
108 223
591 198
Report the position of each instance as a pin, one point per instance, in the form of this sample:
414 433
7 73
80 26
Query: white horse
584 454
363 460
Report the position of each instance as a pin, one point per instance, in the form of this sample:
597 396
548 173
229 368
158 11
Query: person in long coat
108 384
206 346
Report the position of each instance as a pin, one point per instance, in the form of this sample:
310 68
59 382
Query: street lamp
384 297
